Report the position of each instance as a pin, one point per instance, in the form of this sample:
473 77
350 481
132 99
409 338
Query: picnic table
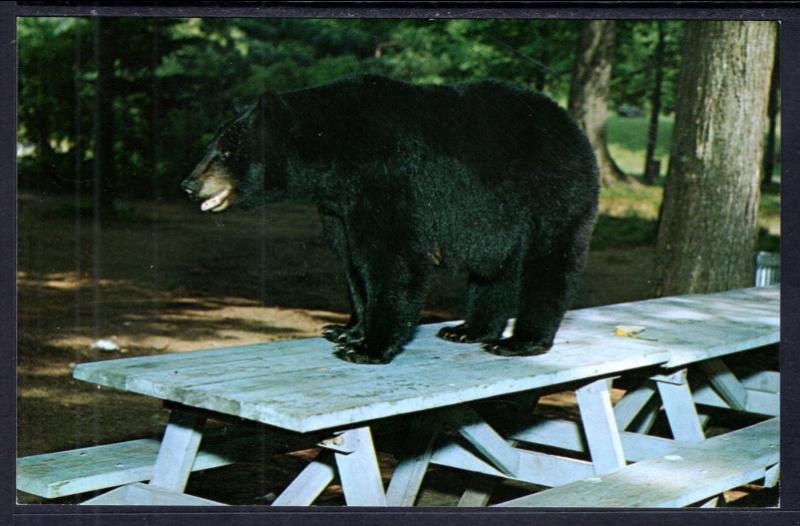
298 387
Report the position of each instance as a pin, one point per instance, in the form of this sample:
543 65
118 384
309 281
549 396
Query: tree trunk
772 112
707 233
651 169
589 93
103 122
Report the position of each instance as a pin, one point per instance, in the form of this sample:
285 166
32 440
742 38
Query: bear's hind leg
489 304
396 290
547 287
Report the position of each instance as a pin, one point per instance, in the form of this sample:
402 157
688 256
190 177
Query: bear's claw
341 334
516 348
356 352
457 334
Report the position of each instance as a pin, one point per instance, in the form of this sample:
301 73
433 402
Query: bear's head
233 168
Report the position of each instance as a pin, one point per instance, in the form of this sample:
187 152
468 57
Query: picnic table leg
679 406
358 468
309 484
723 380
410 470
485 439
600 425
633 404
772 476
479 487
178 451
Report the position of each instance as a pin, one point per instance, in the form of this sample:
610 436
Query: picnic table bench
299 389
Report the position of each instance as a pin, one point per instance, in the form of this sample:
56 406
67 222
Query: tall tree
772 112
588 93
707 233
651 168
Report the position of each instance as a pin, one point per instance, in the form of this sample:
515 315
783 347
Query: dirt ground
164 278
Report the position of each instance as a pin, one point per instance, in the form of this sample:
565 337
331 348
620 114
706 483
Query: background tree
772 112
651 168
707 234
589 92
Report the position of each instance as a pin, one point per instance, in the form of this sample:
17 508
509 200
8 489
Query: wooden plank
483 438
479 491
387 390
567 435
632 404
698 327
262 384
412 466
692 473
358 471
534 467
646 419
725 383
772 476
600 426
681 412
178 451
139 494
758 402
52 475
768 381
307 486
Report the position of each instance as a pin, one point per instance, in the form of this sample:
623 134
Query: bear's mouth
218 202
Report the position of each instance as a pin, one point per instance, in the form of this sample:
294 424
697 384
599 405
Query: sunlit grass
627 142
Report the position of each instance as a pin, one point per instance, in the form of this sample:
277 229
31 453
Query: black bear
479 177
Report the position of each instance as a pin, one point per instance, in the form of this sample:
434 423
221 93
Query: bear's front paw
341 333
357 352
511 347
456 333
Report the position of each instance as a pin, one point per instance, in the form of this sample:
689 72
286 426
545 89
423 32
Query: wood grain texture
299 385
138 494
689 475
52 475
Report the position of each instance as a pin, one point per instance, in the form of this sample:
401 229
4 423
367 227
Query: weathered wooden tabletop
697 327
299 385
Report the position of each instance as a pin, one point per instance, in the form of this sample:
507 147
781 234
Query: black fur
480 176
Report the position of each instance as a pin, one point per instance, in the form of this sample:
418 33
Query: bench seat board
145 495
53 475
688 475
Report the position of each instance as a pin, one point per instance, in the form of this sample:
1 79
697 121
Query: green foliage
176 80
632 78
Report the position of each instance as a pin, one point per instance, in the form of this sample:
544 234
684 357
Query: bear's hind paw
511 347
341 334
356 352
456 334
